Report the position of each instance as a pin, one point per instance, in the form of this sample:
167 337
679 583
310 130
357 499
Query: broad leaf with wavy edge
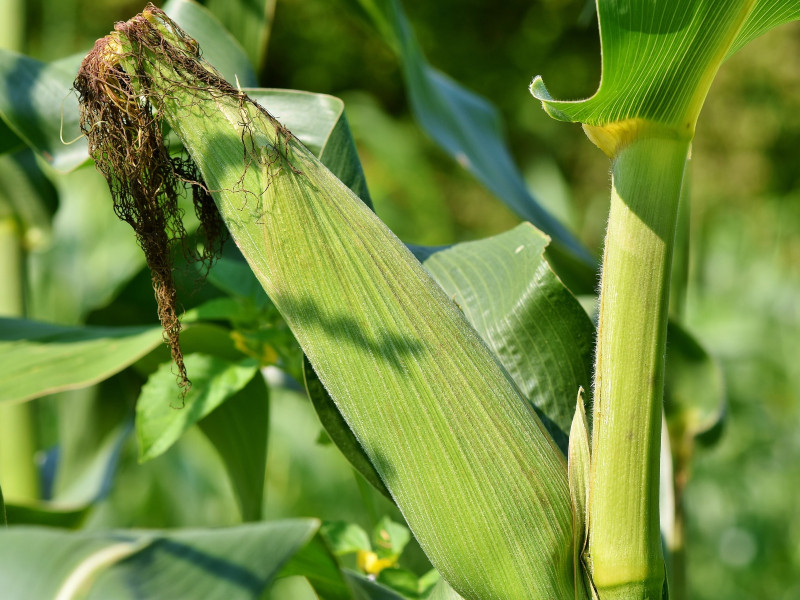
532 323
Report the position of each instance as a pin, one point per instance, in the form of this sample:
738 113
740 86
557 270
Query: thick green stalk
624 544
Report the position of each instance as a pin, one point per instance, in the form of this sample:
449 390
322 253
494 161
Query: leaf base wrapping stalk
624 544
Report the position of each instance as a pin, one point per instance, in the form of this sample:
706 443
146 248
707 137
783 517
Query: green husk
478 478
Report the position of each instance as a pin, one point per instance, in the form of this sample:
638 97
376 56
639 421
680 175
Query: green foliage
391 368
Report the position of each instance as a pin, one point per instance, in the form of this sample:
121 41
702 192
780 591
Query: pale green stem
18 474
624 543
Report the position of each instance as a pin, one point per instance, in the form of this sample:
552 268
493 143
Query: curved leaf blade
225 564
41 358
766 15
465 125
250 21
37 105
658 61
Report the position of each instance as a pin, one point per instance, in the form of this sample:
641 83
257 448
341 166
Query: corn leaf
319 121
464 124
34 97
250 21
441 421
214 380
238 429
766 15
526 316
71 506
658 61
317 564
40 358
220 47
225 564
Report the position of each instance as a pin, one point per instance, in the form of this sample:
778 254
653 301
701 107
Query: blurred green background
744 287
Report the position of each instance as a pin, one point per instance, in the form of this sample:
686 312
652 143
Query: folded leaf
250 21
442 422
220 47
658 61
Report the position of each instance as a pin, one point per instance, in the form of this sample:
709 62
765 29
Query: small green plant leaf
464 124
238 429
439 418
317 564
250 21
41 358
235 563
658 62
766 15
389 539
162 415
220 47
578 464
523 312
345 538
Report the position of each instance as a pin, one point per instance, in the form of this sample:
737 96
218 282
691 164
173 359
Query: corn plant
455 380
